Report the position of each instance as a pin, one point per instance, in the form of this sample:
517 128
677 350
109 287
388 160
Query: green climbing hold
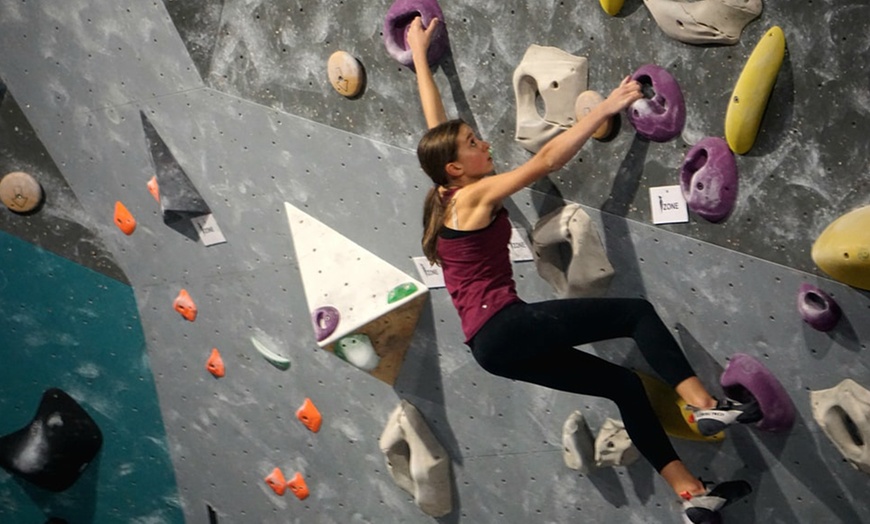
401 291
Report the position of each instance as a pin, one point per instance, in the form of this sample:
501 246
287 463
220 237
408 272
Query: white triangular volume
339 273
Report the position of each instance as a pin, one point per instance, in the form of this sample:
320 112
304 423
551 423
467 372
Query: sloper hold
399 17
583 106
21 192
752 91
215 364
843 413
704 21
179 199
309 416
276 481
185 306
843 249
298 486
345 73
673 412
746 378
417 461
58 444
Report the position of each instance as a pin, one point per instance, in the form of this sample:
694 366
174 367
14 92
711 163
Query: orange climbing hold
276 481
124 219
215 364
298 486
185 306
154 188
309 415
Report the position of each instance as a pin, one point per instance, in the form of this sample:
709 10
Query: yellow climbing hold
752 91
673 412
843 249
611 7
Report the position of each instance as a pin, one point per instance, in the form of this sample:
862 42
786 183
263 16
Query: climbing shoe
727 412
704 508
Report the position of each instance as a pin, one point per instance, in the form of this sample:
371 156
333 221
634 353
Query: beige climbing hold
613 447
704 21
20 192
584 104
417 461
345 73
557 78
588 272
578 444
843 413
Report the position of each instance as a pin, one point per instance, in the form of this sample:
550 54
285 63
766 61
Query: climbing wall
238 92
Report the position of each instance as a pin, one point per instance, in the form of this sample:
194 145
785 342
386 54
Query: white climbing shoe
704 509
727 412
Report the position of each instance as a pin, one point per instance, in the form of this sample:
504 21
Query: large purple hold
325 320
661 114
398 20
708 178
817 308
746 378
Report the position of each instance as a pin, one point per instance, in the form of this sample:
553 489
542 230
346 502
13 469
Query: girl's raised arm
430 96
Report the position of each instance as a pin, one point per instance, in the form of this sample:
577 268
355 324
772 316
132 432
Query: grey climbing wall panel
82 89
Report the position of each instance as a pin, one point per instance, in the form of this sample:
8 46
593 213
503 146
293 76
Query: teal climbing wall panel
69 327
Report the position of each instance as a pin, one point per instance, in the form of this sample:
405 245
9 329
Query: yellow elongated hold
752 91
611 7
843 249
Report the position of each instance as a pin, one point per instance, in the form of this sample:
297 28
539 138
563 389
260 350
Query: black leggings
535 343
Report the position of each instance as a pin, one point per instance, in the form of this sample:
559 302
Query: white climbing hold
417 461
843 413
557 78
613 447
578 444
358 350
704 21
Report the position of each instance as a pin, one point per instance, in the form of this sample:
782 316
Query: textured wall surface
248 112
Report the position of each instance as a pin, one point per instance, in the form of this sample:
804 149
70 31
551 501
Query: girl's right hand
623 96
419 38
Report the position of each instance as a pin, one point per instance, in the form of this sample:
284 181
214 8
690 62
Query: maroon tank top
477 271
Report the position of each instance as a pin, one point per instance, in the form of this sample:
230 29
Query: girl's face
473 154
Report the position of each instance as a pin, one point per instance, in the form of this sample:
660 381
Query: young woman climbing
466 231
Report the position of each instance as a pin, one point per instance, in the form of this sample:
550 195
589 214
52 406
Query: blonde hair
436 149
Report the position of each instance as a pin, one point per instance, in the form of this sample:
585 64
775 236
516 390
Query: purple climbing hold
746 378
398 20
661 114
817 308
708 178
325 320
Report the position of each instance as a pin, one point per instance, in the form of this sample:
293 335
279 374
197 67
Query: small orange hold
276 481
185 306
124 219
154 188
215 364
298 486
308 415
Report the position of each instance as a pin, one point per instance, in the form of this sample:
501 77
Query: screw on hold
276 481
298 486
185 306
215 364
736 99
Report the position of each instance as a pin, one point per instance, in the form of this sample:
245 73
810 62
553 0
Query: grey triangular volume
179 199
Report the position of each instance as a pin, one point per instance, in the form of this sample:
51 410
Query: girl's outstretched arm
430 96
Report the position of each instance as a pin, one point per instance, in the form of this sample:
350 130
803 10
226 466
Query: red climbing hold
124 219
298 486
309 415
154 188
185 306
276 481
215 364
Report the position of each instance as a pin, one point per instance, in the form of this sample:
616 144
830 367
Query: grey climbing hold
417 461
578 444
